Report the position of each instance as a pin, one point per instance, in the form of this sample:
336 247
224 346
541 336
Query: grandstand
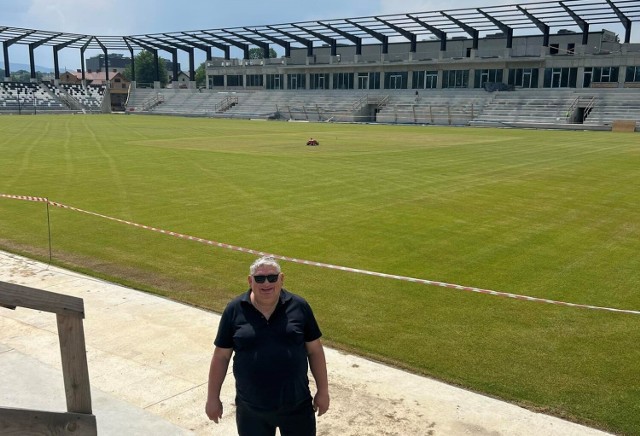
28 98
32 98
551 63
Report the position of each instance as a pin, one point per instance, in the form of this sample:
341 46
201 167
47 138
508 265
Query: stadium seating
587 107
299 105
438 107
88 98
447 107
540 106
571 108
18 97
185 102
611 105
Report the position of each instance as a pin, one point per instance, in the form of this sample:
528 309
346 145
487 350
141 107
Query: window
218 80
274 81
342 80
234 80
487 76
599 75
607 74
374 80
363 80
397 80
571 48
418 80
633 74
255 80
296 81
425 80
560 77
431 80
319 81
455 79
524 77
368 80
554 48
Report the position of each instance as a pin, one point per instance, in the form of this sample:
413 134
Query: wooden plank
12 295
36 422
74 364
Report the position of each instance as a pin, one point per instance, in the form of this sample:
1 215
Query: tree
201 75
258 53
24 76
146 69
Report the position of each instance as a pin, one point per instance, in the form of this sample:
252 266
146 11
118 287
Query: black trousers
298 421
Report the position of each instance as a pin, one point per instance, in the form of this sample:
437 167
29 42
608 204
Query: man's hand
217 373
318 366
214 409
321 402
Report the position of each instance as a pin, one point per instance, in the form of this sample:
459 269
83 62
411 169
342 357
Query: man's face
266 293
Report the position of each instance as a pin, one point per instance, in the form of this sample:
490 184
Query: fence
78 419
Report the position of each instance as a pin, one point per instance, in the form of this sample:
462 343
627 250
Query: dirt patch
356 411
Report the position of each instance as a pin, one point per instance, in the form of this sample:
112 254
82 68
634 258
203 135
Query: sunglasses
272 278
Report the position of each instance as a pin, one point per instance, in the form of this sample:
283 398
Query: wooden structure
78 420
623 126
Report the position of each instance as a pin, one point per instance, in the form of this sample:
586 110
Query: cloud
131 17
96 17
405 6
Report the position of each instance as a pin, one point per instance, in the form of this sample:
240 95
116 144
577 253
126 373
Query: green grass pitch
549 214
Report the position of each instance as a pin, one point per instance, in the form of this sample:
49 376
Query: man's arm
217 373
318 365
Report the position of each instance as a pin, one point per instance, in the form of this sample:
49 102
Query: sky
130 17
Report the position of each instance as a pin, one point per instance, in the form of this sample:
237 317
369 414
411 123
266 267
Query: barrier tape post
327 265
49 231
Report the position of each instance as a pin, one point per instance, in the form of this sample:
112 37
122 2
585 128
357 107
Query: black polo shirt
270 359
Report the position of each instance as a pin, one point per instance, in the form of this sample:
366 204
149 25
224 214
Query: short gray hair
264 260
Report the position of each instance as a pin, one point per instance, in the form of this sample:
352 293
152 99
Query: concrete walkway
149 358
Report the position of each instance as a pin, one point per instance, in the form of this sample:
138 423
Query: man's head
265 279
264 261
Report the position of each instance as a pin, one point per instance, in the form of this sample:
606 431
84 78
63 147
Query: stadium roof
475 23
542 17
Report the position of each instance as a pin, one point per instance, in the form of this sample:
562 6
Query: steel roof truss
626 22
410 36
242 46
304 41
470 30
260 44
355 39
281 42
320 36
440 34
225 48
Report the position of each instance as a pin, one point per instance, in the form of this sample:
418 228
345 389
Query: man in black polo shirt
275 338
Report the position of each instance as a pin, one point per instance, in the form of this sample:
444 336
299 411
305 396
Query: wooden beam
74 364
36 422
12 295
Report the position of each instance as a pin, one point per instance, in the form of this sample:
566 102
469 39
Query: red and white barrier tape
324 265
